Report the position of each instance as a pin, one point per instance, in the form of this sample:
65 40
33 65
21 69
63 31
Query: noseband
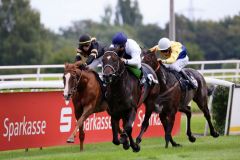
115 71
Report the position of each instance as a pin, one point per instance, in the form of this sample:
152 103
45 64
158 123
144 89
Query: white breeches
179 64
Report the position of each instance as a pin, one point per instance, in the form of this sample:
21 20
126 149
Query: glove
77 58
163 61
90 59
82 65
124 60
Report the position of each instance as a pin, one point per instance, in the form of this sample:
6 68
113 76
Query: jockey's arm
176 49
172 58
93 54
78 56
133 49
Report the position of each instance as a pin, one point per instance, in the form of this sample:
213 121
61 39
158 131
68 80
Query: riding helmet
164 44
84 39
119 39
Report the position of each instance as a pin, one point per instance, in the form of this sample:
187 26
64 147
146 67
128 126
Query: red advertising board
39 119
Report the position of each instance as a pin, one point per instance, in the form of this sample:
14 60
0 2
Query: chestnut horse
84 86
124 95
172 98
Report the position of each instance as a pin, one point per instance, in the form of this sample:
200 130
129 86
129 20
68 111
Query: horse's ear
66 64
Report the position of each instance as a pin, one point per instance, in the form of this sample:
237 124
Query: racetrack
222 148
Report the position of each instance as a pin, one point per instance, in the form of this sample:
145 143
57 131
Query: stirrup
142 80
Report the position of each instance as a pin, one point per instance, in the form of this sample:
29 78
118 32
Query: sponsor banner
40 119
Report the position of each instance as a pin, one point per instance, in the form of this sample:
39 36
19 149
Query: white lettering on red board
23 127
66 119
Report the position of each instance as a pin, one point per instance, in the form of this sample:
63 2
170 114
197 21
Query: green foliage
21 34
24 40
128 13
219 108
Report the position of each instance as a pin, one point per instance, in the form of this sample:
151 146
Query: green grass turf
205 148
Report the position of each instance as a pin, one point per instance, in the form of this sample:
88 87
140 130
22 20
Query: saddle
184 84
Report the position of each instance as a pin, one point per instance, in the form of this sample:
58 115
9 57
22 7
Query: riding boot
191 81
142 79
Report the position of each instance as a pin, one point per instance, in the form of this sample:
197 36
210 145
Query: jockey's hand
78 50
90 59
163 61
83 65
124 60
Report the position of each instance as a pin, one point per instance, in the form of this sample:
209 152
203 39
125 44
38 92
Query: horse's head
71 79
112 66
150 58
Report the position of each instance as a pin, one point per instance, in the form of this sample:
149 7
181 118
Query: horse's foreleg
115 128
128 129
81 137
144 126
171 120
85 115
187 111
164 120
168 123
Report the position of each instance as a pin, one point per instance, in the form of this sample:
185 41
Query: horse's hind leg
202 104
187 111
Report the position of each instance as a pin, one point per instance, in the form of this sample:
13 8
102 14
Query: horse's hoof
116 142
215 134
192 139
123 139
177 145
136 148
126 146
166 145
138 140
70 140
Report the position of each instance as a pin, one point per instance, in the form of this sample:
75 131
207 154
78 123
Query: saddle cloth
149 74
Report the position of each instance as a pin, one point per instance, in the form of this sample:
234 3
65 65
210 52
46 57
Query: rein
158 67
74 89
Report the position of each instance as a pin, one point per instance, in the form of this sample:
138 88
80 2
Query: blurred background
47 31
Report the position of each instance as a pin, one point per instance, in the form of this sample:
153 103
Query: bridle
76 81
115 70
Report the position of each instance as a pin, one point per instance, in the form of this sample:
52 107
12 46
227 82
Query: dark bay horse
84 87
172 98
124 97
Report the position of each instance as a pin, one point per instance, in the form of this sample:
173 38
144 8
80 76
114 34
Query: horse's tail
210 90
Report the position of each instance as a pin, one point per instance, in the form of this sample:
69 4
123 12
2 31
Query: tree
128 13
21 34
106 19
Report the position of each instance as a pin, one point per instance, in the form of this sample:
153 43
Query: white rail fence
18 81
232 74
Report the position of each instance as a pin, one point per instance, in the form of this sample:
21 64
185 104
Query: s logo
66 119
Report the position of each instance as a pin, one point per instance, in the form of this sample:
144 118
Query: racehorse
84 86
125 95
172 98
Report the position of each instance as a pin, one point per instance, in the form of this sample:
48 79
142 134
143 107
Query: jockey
130 52
174 56
89 51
